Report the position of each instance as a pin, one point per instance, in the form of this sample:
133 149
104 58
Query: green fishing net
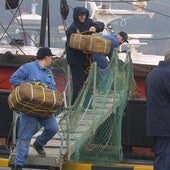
93 124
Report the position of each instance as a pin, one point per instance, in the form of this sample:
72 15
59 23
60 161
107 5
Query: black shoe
16 167
39 148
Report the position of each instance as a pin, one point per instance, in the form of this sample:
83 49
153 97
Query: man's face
82 17
120 39
48 60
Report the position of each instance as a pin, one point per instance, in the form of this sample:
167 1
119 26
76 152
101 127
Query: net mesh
93 124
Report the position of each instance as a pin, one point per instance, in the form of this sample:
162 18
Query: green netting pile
93 125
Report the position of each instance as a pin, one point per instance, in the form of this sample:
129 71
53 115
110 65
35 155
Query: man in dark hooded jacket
78 60
158 112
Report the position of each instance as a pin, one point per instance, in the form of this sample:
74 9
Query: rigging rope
146 9
21 24
165 4
131 3
5 31
11 39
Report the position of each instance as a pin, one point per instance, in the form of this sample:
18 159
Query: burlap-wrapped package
90 43
35 100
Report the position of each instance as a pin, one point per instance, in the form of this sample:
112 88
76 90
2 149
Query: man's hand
92 29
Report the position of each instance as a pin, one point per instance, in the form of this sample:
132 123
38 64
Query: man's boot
39 148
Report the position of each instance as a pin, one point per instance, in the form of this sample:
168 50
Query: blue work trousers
27 128
103 64
162 153
101 60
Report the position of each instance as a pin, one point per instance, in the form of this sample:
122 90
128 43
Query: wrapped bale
35 100
90 43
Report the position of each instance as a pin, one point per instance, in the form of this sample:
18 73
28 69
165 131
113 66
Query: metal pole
69 111
43 22
48 13
94 97
115 78
14 132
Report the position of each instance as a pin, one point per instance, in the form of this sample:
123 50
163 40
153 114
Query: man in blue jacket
34 72
78 60
116 41
158 112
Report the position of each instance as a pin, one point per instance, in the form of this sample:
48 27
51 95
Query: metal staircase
56 149
60 148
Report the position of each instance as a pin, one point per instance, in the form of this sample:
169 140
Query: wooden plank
54 138
52 143
36 160
41 130
52 152
85 135
104 95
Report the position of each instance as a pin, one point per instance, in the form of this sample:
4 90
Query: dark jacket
158 100
74 56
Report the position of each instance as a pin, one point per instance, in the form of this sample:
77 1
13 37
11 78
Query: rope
146 9
11 39
27 106
8 137
21 24
64 11
162 3
85 112
87 70
64 24
5 31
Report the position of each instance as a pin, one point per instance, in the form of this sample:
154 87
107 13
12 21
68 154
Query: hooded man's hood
79 10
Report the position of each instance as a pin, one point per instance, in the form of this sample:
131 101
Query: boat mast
45 15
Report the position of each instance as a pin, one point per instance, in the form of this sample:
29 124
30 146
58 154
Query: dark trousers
162 153
79 76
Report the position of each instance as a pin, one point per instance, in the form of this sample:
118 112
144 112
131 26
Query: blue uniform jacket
75 56
33 72
158 100
101 60
114 42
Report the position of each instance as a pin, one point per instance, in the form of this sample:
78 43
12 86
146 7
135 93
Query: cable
11 39
21 24
168 5
5 30
146 9
130 3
